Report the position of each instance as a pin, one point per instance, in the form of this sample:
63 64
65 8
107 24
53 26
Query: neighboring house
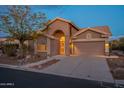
62 37
6 40
1 41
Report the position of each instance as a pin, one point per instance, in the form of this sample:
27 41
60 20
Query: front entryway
62 45
60 42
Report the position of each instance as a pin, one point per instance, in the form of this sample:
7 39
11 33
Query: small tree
114 44
20 22
121 43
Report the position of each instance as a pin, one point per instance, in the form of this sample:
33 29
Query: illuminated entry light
106 45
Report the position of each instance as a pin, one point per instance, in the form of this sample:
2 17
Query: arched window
89 36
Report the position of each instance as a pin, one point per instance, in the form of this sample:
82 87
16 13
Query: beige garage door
89 48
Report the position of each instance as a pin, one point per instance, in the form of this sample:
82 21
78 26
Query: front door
62 45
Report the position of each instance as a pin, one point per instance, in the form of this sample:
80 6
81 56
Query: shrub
121 47
10 49
117 44
114 45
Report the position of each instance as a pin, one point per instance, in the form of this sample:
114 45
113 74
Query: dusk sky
86 16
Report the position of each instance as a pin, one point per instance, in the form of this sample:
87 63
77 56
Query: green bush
114 45
10 49
117 44
121 47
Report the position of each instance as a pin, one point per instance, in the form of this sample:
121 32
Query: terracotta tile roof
2 39
46 35
101 28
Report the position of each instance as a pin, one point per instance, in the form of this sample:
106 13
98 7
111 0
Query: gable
58 25
42 40
85 34
63 20
60 19
92 29
70 29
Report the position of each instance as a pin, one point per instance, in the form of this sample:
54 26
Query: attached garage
67 39
89 48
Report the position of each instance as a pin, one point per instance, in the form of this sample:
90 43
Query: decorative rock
119 72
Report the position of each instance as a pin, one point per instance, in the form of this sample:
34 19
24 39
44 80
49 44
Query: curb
40 71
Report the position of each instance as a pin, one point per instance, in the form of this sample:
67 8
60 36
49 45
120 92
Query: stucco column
67 48
48 47
106 47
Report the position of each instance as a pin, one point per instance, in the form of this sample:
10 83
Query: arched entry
61 41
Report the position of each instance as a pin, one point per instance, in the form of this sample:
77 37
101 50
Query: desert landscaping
116 66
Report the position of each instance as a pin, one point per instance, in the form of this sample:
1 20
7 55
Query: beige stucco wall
68 29
94 45
65 28
54 47
42 40
59 25
73 30
33 45
93 34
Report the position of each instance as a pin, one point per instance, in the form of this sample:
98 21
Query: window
89 36
41 48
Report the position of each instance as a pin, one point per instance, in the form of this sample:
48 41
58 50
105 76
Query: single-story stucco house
62 37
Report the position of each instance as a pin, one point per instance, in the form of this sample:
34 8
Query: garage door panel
89 48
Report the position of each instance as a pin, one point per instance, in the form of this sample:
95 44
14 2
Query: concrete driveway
83 67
